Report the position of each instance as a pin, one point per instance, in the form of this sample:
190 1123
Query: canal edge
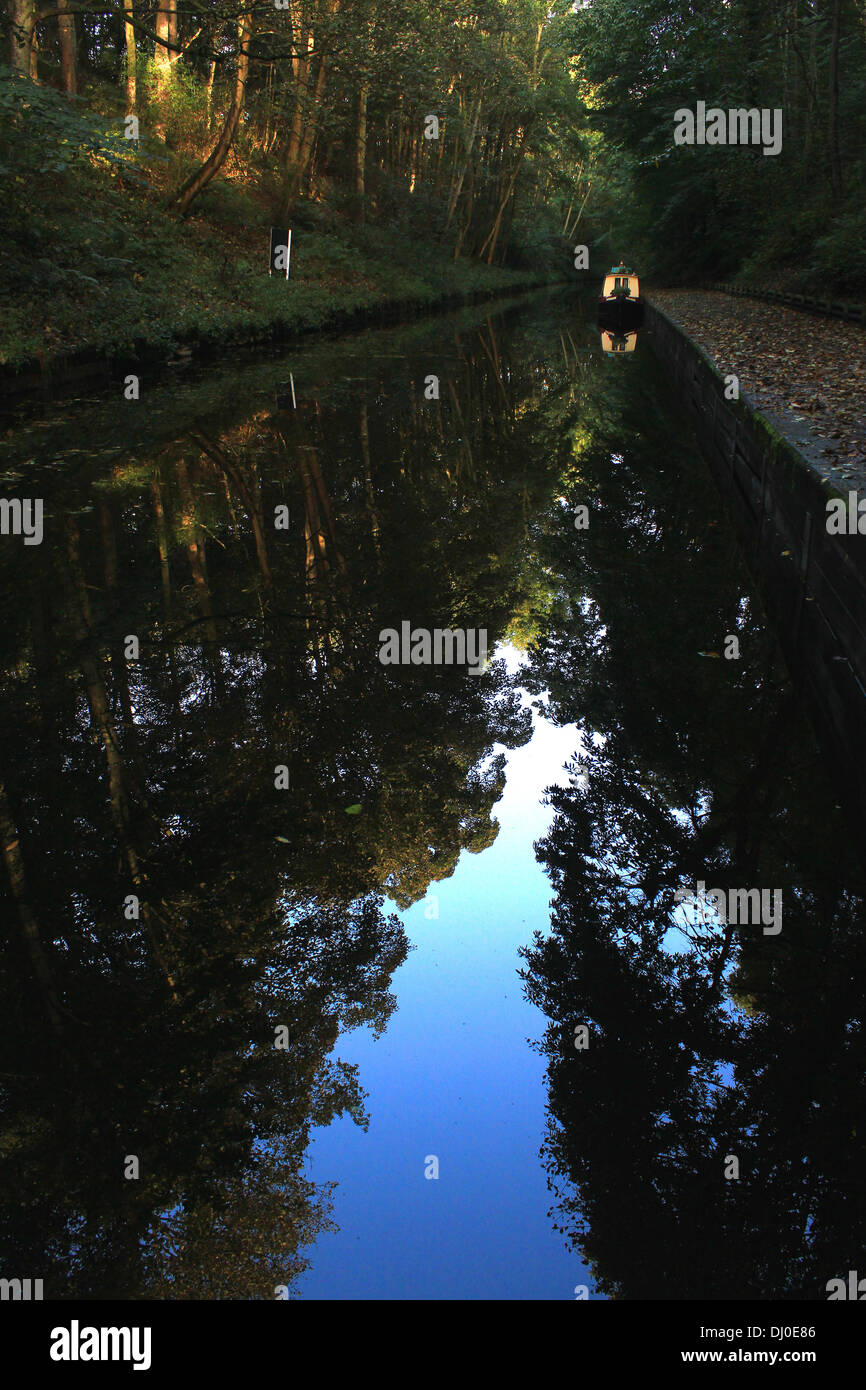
813 583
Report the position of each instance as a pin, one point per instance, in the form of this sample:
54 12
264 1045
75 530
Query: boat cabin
620 305
621 283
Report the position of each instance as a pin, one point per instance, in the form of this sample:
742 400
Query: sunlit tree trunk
305 118
211 74
131 74
190 190
22 14
165 24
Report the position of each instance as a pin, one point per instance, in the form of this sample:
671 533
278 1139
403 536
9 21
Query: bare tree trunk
131 73
302 43
190 190
579 211
68 62
161 63
493 234
165 25
462 231
456 190
211 74
305 120
22 15
311 126
361 149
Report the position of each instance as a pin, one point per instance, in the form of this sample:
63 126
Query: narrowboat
620 304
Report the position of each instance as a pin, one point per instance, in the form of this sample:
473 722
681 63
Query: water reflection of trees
704 1041
149 1028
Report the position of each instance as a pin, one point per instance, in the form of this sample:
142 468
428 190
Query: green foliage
42 134
181 110
227 203
693 212
840 254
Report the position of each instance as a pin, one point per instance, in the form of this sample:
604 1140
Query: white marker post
281 250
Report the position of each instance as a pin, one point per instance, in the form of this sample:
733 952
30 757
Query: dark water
243 1024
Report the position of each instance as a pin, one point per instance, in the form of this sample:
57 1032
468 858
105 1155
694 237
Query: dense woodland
420 137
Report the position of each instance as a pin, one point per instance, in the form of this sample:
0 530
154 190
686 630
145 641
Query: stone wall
814 584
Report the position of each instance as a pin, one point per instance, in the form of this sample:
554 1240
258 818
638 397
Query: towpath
805 373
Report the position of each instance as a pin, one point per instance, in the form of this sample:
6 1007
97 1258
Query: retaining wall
814 584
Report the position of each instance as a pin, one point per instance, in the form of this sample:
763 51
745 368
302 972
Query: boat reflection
613 341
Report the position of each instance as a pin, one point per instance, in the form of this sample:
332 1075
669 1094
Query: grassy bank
97 263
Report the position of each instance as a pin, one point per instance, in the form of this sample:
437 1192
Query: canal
332 978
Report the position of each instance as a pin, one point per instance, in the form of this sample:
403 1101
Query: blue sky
454 1076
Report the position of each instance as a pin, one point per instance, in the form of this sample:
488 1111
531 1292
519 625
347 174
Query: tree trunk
161 56
211 74
131 73
302 41
190 190
458 186
493 234
361 149
311 127
22 16
305 119
68 57
166 22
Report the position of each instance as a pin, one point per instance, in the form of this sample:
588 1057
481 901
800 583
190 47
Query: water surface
286 923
